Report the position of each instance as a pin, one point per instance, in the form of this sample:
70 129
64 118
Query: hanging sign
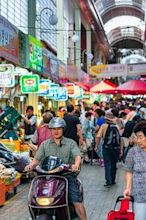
44 87
86 95
78 93
7 78
60 94
35 54
70 88
53 87
29 84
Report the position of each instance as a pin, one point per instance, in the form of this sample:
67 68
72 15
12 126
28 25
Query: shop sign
35 54
70 88
7 78
60 94
53 87
137 69
78 94
9 42
29 84
110 70
44 87
86 95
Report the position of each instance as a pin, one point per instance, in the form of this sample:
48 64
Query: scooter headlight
44 201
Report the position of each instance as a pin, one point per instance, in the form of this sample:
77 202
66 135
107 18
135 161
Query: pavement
98 199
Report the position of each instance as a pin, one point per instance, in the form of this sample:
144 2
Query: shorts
75 193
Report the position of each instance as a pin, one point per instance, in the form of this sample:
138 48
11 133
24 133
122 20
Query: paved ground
98 200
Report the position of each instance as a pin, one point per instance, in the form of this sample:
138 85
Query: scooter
48 194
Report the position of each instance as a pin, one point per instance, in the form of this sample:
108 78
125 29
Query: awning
103 85
132 87
83 86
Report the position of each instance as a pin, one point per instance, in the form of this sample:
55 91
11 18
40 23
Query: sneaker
107 185
113 183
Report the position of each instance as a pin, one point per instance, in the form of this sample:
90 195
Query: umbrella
103 86
132 87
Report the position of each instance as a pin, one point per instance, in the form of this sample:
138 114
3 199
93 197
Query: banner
108 70
35 54
9 42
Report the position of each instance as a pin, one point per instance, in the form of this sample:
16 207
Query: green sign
35 54
29 84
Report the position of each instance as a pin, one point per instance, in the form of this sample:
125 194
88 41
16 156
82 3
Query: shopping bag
124 212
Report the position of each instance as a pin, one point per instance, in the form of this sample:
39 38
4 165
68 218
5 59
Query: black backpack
112 137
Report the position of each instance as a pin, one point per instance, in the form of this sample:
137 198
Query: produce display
14 154
8 175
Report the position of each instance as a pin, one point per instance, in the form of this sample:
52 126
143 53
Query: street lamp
53 19
84 52
75 38
88 54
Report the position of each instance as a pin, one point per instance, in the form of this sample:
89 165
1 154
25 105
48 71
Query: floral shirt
136 163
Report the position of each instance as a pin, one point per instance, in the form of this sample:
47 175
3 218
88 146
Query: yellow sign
98 69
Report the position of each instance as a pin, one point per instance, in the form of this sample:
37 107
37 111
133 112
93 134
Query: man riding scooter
67 150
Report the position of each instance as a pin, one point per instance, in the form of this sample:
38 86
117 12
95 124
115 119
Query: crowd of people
114 131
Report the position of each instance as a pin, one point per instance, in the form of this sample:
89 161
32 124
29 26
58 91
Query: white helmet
57 122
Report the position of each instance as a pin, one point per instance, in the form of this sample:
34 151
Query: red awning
103 86
132 87
83 86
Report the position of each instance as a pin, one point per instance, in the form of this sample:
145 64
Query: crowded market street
98 200
72 95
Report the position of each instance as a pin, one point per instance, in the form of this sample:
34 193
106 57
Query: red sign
70 88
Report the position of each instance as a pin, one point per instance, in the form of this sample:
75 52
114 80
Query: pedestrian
110 147
135 172
43 132
69 153
73 128
87 136
30 123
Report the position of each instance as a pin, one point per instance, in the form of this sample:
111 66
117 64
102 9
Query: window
15 11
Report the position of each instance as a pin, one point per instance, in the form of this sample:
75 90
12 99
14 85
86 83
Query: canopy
83 86
132 87
103 85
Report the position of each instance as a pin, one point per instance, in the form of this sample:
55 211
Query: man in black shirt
73 129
